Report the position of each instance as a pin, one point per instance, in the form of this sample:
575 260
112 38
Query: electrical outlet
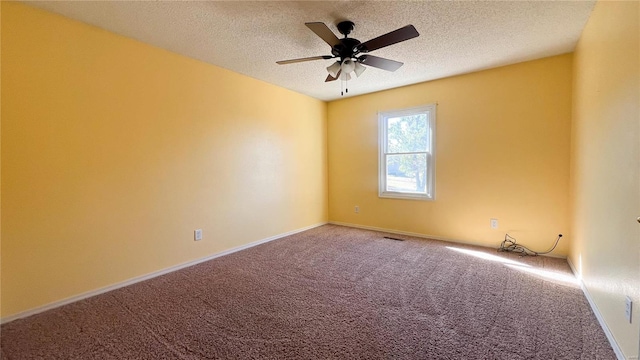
628 305
197 235
357 209
494 223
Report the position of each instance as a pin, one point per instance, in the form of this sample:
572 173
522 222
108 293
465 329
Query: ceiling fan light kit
334 69
359 69
353 53
347 66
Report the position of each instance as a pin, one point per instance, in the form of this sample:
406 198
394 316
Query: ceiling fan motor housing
346 49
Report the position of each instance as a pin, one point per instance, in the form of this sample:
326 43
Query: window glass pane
407 134
407 173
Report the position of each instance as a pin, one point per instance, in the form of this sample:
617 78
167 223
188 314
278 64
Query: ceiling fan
352 53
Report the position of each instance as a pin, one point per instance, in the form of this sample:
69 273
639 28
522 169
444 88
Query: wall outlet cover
197 235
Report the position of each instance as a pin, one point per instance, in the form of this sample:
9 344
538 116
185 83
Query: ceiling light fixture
342 70
347 66
359 69
334 69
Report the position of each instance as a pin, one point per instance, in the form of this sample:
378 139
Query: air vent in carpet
392 238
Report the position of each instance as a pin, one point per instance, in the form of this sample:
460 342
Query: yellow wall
0 161
114 151
502 151
605 165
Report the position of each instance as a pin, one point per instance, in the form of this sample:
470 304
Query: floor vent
392 238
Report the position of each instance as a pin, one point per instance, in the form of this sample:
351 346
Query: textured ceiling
249 37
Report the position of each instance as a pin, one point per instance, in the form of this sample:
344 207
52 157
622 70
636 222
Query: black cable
553 247
509 244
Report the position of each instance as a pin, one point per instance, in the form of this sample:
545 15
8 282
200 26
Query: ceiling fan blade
380 63
331 78
324 32
396 36
283 62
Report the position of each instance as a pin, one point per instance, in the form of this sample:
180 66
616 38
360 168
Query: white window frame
383 117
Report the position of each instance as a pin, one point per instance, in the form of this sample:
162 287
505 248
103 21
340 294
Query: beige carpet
330 293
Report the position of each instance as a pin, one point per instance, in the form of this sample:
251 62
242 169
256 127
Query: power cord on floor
509 245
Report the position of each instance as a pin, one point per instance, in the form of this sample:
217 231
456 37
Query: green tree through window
407 136
406 156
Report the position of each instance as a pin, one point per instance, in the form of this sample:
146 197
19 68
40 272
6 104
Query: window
406 145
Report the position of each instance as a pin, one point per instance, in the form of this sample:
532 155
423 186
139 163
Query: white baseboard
137 279
400 232
594 308
425 236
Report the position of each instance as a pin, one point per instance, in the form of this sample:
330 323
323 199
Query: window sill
405 196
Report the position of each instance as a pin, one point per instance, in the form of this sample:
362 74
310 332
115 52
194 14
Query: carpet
332 292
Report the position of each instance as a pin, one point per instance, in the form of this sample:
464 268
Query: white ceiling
456 37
